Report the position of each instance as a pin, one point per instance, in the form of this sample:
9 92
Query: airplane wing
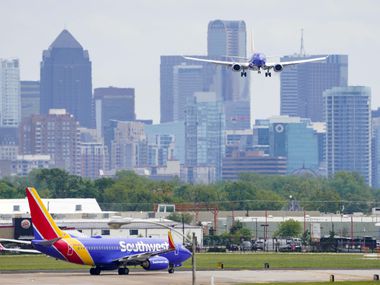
15 241
219 62
140 257
287 63
2 248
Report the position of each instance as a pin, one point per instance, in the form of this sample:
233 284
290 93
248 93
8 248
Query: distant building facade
226 40
56 134
187 80
30 98
24 164
10 102
240 162
302 86
128 146
348 125
295 139
93 159
174 130
113 103
205 132
66 81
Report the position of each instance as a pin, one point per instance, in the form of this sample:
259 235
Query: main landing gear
123 271
268 74
95 271
171 269
243 74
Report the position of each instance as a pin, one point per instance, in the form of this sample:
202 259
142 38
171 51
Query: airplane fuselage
105 252
257 61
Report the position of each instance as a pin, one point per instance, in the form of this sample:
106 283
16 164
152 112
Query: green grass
284 260
210 261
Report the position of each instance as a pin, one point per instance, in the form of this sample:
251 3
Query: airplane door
176 252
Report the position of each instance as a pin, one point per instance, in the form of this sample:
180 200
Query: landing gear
268 74
243 74
123 271
95 271
171 269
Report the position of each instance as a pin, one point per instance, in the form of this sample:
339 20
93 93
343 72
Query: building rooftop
65 40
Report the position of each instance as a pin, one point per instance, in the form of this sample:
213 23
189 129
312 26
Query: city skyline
125 48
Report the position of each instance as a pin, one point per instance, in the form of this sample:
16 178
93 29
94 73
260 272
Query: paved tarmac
184 277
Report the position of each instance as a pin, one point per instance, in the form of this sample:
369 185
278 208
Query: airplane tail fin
44 226
170 241
252 44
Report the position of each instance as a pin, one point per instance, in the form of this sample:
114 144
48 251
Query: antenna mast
302 49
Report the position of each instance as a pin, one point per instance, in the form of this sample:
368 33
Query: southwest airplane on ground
98 252
257 62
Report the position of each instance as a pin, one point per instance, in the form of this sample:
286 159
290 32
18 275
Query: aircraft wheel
95 271
171 269
122 270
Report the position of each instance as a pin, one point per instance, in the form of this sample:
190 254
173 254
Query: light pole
117 223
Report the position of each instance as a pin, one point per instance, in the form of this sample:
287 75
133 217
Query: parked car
246 246
290 248
258 245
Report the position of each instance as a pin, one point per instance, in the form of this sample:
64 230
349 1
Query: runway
184 277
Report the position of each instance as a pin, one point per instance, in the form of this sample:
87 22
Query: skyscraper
10 103
302 86
204 132
187 80
224 38
348 124
66 78
167 82
30 98
229 39
113 103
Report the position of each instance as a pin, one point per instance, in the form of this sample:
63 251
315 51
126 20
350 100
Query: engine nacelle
236 67
278 67
156 263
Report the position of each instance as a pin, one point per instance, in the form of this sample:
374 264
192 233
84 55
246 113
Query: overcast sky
126 38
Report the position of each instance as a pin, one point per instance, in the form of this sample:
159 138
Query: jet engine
278 68
236 67
156 263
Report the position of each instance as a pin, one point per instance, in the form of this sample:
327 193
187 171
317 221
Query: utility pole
183 228
194 247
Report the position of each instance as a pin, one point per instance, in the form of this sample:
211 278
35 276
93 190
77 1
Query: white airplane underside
257 62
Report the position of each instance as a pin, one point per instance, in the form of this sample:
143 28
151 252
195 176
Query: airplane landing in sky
99 252
257 62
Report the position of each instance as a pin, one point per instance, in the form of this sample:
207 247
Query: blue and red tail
44 226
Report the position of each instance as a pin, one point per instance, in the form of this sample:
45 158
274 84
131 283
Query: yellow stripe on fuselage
81 250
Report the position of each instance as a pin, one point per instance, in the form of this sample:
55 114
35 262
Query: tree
289 228
177 217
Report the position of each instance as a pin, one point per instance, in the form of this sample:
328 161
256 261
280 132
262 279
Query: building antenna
302 48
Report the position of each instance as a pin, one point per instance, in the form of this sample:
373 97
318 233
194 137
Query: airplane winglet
170 240
1 247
